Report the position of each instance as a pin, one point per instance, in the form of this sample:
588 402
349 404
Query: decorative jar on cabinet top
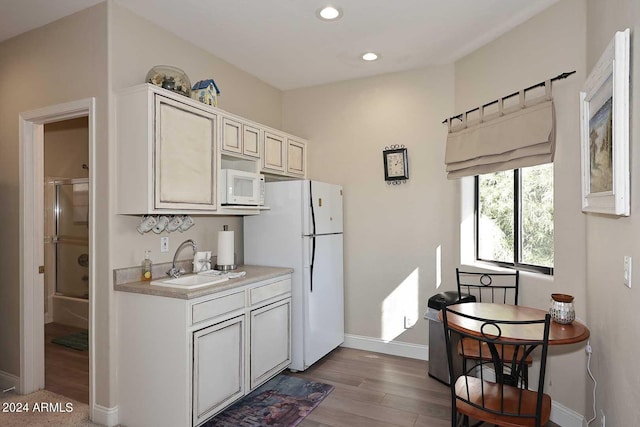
170 78
562 310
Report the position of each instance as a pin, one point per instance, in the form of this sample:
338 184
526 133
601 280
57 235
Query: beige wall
392 232
61 62
136 45
66 148
72 59
613 309
543 47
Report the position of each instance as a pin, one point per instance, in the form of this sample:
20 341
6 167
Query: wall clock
396 164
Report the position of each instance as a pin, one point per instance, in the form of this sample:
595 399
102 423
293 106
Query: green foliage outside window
497 236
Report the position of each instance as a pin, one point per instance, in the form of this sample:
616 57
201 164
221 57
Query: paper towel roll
225 248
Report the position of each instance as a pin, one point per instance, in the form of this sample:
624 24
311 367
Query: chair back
489 287
481 393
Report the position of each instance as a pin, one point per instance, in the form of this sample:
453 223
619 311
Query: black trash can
438 365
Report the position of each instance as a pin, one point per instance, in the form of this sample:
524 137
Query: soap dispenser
146 267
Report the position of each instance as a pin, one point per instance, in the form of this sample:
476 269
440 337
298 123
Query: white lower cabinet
270 348
180 362
218 367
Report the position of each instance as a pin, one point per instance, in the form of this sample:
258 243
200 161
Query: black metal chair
489 287
480 397
501 288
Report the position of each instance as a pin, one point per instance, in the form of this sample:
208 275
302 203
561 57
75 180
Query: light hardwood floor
66 371
373 389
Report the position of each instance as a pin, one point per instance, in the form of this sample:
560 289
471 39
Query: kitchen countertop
254 274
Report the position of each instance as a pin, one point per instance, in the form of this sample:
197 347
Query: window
514 218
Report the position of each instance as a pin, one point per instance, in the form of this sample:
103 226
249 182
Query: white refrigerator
303 230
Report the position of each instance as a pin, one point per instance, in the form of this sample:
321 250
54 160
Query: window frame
517 229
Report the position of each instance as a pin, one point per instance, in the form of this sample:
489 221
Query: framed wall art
604 131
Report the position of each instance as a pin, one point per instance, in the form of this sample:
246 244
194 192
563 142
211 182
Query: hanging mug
147 223
162 223
174 223
187 223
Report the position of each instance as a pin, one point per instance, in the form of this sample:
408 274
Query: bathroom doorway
66 257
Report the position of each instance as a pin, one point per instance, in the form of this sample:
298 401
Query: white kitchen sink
191 281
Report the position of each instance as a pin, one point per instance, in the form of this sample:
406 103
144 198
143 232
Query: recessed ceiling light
329 13
370 56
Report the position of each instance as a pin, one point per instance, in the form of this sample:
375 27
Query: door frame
31 163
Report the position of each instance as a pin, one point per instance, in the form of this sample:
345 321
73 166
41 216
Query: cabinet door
274 150
184 157
251 141
270 341
231 136
218 367
296 157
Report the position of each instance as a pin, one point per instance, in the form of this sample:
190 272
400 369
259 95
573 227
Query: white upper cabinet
284 155
296 157
231 136
170 150
273 159
251 141
184 157
239 137
166 153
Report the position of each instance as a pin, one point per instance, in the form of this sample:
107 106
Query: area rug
283 401
77 341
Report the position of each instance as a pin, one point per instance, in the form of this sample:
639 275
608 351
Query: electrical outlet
164 244
409 321
627 271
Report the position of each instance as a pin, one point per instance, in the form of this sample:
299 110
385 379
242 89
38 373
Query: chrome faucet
177 272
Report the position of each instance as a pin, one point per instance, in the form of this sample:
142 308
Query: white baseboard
564 416
8 381
105 416
395 348
560 414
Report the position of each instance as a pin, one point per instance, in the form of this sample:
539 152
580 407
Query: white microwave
242 188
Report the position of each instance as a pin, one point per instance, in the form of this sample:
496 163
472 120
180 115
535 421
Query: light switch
164 244
627 271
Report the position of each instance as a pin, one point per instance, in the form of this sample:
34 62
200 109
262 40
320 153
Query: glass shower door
72 238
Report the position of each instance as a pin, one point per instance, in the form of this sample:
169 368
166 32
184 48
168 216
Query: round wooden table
558 334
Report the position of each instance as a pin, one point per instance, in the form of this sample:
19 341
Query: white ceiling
284 44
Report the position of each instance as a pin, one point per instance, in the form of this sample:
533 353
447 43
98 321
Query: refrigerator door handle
313 259
313 214
313 238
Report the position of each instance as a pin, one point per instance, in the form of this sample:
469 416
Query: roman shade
515 137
